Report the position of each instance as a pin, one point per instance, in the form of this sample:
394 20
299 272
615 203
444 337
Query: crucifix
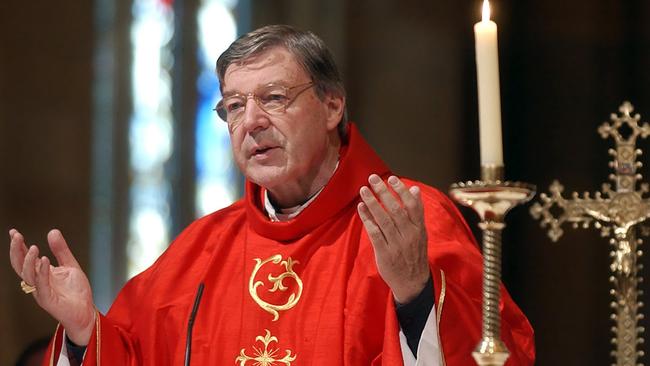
618 212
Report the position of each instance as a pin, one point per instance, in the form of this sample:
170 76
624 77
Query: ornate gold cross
617 213
265 356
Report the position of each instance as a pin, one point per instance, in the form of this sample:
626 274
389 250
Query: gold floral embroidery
293 299
266 356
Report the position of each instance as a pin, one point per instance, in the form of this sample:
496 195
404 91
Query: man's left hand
394 220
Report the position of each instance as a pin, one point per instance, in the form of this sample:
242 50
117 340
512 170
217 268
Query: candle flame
486 11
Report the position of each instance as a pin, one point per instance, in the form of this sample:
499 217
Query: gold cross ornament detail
265 356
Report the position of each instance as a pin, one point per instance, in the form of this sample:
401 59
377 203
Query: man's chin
268 177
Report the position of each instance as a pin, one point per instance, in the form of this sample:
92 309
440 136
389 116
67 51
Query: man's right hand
63 291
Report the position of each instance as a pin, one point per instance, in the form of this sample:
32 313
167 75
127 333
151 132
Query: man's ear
335 107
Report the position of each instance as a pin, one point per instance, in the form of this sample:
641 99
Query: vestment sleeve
128 335
108 343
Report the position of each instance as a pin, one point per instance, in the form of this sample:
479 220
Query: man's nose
254 116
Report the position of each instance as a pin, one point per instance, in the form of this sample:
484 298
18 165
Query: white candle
489 100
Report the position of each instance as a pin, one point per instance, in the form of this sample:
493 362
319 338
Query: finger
61 250
410 198
374 233
393 204
386 197
388 200
417 193
17 251
42 278
379 215
28 272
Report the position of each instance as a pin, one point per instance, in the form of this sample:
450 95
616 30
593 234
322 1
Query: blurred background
108 134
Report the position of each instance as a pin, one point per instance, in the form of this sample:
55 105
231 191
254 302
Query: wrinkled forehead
276 65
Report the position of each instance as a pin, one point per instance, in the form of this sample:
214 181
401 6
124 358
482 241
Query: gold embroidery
266 356
277 285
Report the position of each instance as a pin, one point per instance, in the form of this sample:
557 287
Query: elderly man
329 259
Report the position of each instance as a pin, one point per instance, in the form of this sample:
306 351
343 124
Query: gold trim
56 333
274 309
441 302
98 337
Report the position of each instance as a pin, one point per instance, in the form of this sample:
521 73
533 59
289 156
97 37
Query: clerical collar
286 214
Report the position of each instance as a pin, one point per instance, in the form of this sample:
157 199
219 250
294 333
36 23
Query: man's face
275 150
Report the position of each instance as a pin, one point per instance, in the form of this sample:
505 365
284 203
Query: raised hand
394 220
63 291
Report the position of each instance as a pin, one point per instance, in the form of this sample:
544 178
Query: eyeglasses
273 99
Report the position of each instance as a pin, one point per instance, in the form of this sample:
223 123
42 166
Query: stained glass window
216 176
151 132
151 125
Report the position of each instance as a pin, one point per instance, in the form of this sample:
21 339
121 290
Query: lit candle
489 100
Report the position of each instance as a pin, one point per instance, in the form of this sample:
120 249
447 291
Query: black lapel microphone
190 324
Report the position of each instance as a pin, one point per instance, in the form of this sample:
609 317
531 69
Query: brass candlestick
491 198
617 216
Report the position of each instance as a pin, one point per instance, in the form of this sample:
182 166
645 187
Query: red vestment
302 292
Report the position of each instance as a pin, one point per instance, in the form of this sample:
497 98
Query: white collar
286 214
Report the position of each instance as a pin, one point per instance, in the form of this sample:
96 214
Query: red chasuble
303 292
